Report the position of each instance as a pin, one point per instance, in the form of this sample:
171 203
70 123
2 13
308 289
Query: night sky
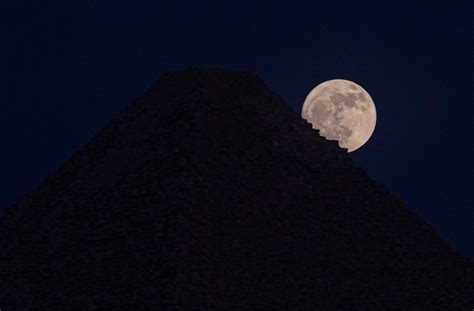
68 68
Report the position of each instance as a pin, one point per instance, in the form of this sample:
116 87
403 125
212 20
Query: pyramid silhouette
210 193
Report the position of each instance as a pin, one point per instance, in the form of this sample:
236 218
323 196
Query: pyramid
210 193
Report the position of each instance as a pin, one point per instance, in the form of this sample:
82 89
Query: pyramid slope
210 193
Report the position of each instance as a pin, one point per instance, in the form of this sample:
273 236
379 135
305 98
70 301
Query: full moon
342 110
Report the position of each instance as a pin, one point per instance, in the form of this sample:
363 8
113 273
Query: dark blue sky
67 68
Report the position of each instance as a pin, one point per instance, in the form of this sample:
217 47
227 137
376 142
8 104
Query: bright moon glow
342 110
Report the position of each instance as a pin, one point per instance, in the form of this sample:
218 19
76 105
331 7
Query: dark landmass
210 193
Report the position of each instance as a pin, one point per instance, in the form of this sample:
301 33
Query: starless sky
68 67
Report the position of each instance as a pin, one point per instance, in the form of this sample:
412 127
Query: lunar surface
342 110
